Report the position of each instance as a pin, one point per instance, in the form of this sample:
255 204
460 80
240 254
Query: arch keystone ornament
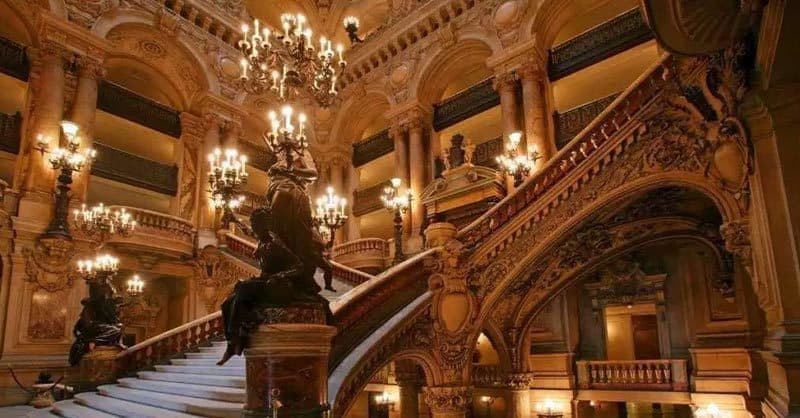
454 308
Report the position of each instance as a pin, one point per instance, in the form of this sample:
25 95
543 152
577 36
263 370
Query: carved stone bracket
448 399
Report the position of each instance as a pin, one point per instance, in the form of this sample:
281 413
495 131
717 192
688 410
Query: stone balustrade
487 376
665 375
168 344
170 235
366 254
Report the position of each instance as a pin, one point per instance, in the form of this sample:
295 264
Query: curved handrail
586 143
361 245
157 220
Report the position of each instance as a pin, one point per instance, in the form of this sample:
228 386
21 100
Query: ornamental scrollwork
216 276
444 399
48 264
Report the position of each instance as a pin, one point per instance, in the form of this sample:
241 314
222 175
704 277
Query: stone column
339 167
417 163
84 107
535 111
519 405
189 158
45 112
401 168
410 383
277 354
448 401
506 86
206 217
353 226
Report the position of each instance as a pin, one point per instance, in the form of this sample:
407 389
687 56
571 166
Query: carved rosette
448 399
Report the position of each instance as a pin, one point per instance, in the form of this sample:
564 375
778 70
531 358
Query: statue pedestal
287 365
97 367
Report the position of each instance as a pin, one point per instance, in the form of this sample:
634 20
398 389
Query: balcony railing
487 376
13 59
486 152
154 230
368 200
603 41
465 104
372 148
571 122
10 132
126 104
664 375
117 165
366 254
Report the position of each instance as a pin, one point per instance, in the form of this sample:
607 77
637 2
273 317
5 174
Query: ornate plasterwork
86 12
48 265
216 275
448 399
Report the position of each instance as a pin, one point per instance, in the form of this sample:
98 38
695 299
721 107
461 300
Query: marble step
179 403
213 370
235 362
70 409
216 393
195 379
204 355
215 349
124 408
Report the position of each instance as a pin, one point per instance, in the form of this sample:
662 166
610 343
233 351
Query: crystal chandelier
227 175
286 61
515 164
99 222
101 267
330 213
287 136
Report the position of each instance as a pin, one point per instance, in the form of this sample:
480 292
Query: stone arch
439 69
495 334
18 24
134 41
358 113
543 25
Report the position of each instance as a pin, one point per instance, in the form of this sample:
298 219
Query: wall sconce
487 401
549 409
384 401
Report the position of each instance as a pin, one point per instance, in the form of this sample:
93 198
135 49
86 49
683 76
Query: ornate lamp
287 136
549 409
227 175
66 160
398 205
330 213
98 222
351 26
134 285
488 401
102 267
515 164
384 401
285 61
711 411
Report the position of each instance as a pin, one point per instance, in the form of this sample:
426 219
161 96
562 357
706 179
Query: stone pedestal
96 368
287 367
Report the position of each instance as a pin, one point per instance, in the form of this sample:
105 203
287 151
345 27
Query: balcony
369 255
368 200
488 376
157 233
645 375
126 104
117 165
571 122
13 59
372 148
466 104
603 41
10 131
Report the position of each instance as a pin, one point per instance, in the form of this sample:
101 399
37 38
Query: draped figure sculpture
99 323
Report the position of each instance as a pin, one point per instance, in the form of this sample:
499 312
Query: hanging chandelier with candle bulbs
287 135
288 60
101 223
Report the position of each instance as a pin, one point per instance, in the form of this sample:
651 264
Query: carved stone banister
598 43
10 132
572 121
166 233
117 165
164 346
368 200
365 254
618 115
361 245
465 104
372 148
666 375
126 104
13 59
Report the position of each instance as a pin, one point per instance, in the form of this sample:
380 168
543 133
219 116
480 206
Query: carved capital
193 129
531 71
444 399
736 235
505 82
90 67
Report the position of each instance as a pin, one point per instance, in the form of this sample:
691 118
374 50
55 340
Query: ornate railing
667 375
605 40
372 148
13 59
465 104
117 165
124 103
164 346
368 200
366 254
10 132
170 234
486 376
486 152
258 156
571 122
592 140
